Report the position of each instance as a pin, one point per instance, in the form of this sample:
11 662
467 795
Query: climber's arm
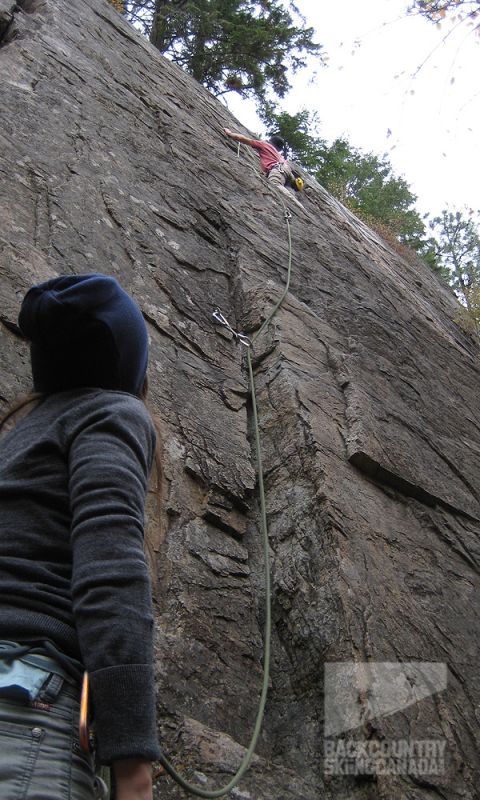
239 137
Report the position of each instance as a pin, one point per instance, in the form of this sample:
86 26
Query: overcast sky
373 86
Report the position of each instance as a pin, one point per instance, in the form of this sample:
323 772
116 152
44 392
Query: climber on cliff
273 164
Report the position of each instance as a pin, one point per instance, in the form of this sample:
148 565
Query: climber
75 588
273 164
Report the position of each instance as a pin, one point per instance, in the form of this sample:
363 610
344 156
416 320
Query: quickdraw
240 338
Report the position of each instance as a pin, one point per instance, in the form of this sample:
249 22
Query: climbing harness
248 342
295 181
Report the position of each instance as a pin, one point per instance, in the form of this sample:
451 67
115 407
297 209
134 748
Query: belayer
75 592
272 162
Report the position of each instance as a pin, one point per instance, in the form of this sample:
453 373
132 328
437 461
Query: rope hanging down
248 344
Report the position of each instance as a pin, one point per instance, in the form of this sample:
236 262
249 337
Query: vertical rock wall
113 160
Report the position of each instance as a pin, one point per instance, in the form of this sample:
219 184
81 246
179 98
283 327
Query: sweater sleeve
110 456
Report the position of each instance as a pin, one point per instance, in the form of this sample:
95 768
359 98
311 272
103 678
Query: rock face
113 160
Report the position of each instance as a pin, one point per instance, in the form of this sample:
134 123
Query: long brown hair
155 487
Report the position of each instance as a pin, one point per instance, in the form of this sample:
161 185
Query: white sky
433 115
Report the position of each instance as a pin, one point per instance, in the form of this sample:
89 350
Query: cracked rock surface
113 160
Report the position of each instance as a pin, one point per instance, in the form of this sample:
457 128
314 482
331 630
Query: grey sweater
73 479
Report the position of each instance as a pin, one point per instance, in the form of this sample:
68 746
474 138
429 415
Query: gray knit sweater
73 478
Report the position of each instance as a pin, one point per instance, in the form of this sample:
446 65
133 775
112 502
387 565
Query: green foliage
366 182
458 243
468 317
230 45
363 182
296 130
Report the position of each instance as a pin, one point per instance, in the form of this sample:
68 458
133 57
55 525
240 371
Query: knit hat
84 331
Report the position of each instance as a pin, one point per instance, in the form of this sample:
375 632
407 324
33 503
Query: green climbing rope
287 215
169 768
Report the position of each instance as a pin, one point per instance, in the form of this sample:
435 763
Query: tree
363 182
247 46
436 10
298 132
367 185
366 182
458 246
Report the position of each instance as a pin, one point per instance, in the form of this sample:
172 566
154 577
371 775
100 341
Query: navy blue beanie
84 331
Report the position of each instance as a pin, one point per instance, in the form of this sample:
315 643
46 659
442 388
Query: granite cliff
114 160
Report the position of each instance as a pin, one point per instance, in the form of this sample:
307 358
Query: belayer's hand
133 779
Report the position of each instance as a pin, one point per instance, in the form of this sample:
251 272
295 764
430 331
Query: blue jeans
40 756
